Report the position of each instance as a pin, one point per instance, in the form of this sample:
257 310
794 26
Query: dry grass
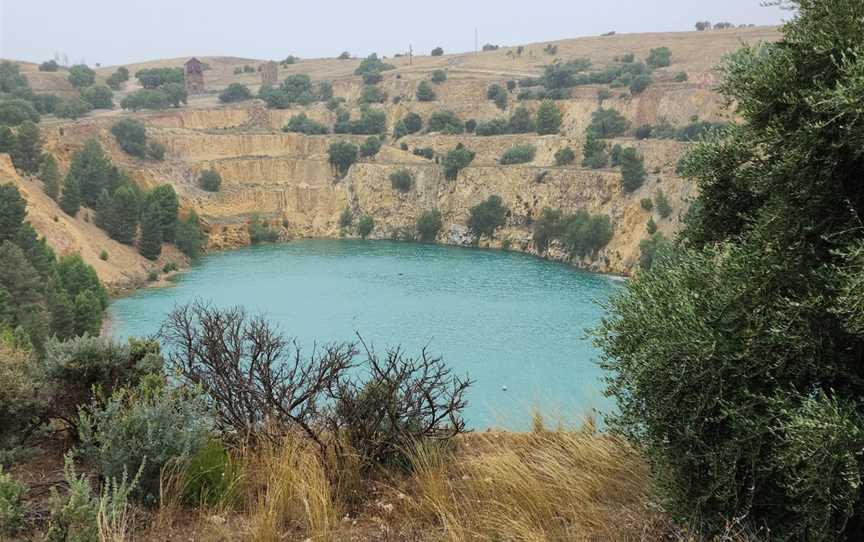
546 485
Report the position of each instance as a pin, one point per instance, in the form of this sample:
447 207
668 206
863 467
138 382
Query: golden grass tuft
531 487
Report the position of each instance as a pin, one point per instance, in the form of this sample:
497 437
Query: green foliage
372 95
145 99
211 477
662 203
190 238
650 248
438 51
438 76
164 199
680 77
11 78
659 58
491 127
11 504
261 232
27 150
49 66
150 244
520 121
425 152
487 216
365 226
116 79
647 204
14 111
235 92
150 425
131 135
371 122
456 160
581 233
446 122
644 131
518 154
98 96
651 226
302 124
73 518
210 180
175 93
342 155
735 360
425 93
402 180
497 94
594 151
561 75
548 118
70 201
607 123
81 76
49 174
370 147
157 77
123 216
428 225
346 218
413 123
91 171
564 157
72 108
632 169
372 64
615 155
344 55
698 130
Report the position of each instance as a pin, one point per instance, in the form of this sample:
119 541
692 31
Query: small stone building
194 72
269 74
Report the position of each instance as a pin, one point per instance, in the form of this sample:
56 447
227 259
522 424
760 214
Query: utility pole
410 55
475 39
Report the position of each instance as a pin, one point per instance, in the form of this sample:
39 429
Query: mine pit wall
285 178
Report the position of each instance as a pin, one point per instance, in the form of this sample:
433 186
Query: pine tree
105 212
25 292
50 177
124 214
62 311
92 170
27 151
88 314
150 245
70 201
190 239
548 118
165 199
13 208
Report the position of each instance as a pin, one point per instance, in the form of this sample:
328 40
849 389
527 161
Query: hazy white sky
123 31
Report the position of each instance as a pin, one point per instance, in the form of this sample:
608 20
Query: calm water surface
505 319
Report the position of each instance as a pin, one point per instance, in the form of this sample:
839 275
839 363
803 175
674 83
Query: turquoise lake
506 319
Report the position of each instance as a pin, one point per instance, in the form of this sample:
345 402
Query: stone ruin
194 72
269 74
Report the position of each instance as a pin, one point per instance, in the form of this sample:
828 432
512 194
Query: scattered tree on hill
92 171
175 93
703 25
564 157
98 96
484 218
401 180
72 108
131 135
438 76
49 174
662 204
344 55
632 169
189 238
14 111
372 95
372 64
607 123
342 155
164 200
370 147
153 78
49 66
425 92
428 225
81 76
456 160
548 118
150 245
210 180
518 154
302 124
123 215
235 92
639 83
438 51
13 208
446 122
659 58
27 152
594 153
520 121
70 201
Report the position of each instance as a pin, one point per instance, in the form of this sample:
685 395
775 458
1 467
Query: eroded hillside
285 178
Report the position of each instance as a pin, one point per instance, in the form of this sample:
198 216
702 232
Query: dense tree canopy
736 360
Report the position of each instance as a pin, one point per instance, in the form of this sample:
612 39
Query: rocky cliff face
286 180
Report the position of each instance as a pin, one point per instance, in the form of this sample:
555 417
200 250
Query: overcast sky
124 31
